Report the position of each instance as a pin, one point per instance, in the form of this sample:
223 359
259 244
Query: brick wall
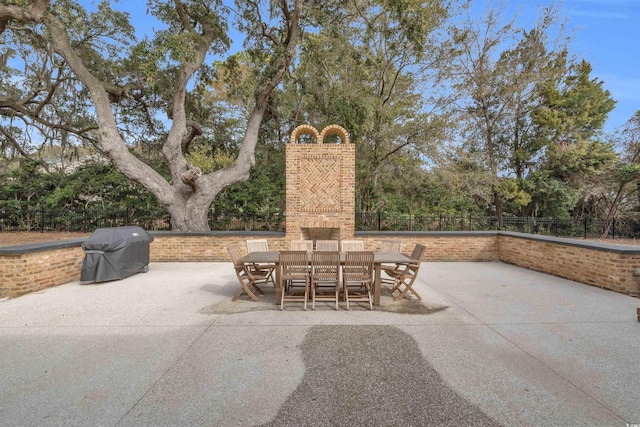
34 271
440 246
204 247
34 267
587 263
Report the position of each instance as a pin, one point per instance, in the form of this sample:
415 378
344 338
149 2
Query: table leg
279 289
376 284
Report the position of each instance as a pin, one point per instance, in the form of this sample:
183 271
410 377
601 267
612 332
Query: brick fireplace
320 185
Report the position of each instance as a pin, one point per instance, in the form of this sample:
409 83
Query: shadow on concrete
352 379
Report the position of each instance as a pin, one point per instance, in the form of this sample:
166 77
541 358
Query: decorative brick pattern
320 184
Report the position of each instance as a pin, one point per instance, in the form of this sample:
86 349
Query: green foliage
550 196
575 107
208 161
444 118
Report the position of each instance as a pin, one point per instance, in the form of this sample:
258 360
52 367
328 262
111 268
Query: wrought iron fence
88 219
617 228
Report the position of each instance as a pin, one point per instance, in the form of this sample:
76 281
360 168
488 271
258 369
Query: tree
497 89
156 75
372 68
570 118
627 171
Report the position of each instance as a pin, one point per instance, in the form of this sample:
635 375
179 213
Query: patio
497 345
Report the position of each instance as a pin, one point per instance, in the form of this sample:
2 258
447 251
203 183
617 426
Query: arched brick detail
305 130
334 130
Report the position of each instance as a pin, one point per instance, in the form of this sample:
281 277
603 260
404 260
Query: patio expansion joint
175 362
546 366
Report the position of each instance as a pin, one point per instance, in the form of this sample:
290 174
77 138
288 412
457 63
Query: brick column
320 183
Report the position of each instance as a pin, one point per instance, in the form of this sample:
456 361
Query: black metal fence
90 218
618 228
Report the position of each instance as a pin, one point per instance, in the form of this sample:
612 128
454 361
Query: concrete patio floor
499 345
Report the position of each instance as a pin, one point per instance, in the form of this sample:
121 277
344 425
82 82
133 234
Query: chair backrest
352 245
258 245
234 252
358 265
418 251
302 245
391 246
293 263
325 265
327 245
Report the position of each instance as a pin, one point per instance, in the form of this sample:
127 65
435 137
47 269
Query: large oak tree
137 87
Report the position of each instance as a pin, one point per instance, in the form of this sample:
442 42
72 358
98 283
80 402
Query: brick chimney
320 185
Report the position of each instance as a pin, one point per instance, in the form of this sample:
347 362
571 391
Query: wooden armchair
325 277
327 245
294 275
405 275
302 245
357 275
248 276
352 245
261 245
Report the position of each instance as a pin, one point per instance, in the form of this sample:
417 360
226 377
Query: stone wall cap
41 246
217 233
606 247
599 246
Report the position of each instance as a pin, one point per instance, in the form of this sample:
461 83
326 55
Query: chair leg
306 295
283 290
404 292
408 287
346 295
247 290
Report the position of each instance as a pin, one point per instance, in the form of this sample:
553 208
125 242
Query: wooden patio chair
325 277
327 245
294 276
393 271
248 276
405 275
257 245
357 274
302 245
352 245
391 246
261 245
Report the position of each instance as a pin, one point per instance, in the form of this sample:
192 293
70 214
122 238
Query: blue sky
608 37
606 34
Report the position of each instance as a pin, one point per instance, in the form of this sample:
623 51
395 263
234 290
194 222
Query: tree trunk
190 216
497 200
613 209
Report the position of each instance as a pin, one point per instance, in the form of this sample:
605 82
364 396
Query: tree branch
34 13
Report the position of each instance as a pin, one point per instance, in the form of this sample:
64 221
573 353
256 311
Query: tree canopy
451 113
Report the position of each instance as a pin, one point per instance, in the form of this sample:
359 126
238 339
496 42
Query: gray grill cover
115 253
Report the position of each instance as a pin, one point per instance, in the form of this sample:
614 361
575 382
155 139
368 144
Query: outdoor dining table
379 258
